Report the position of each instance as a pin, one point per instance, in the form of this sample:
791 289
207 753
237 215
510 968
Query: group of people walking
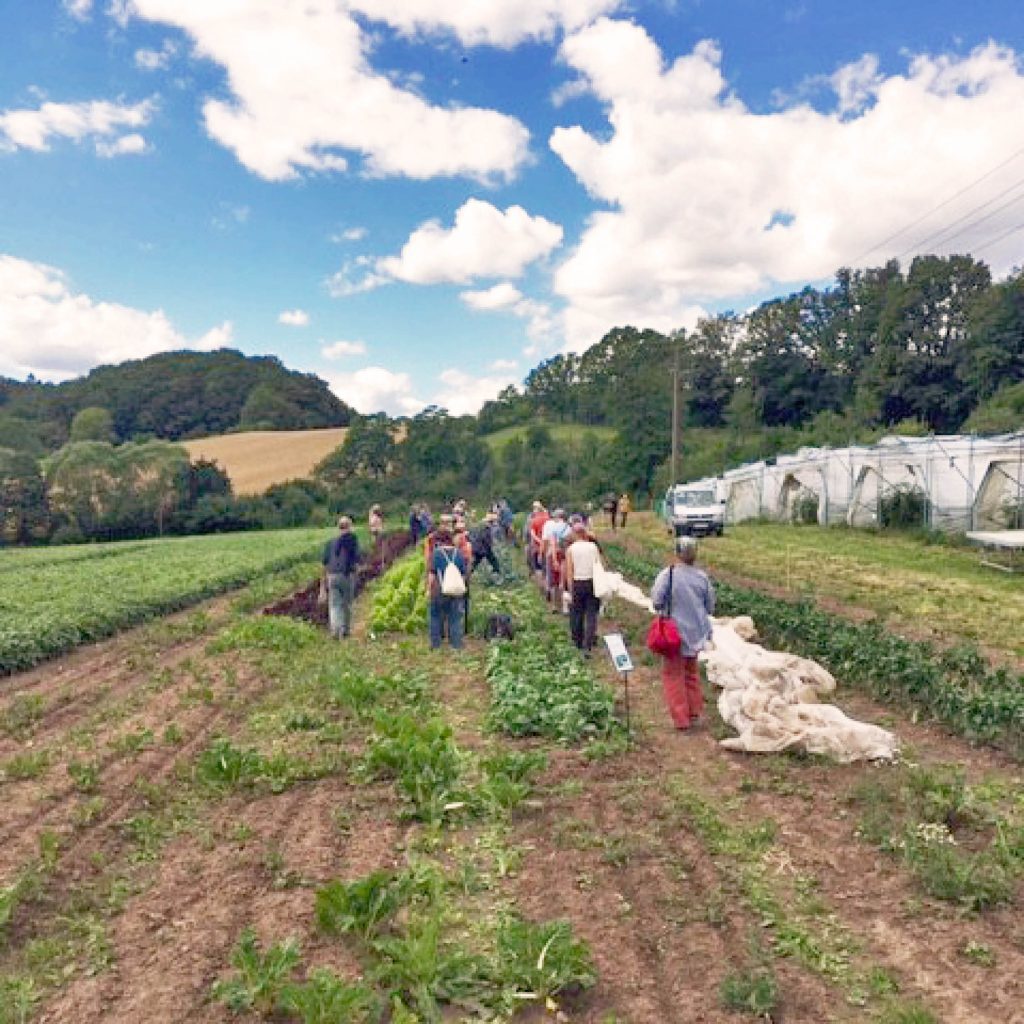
564 556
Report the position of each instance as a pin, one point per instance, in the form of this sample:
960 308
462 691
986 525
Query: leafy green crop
49 605
400 598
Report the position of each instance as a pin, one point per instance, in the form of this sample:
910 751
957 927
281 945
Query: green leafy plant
543 960
754 991
261 977
325 999
362 907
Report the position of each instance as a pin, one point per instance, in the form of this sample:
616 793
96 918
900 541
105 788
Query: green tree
92 424
24 512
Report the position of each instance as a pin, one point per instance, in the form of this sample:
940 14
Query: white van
695 509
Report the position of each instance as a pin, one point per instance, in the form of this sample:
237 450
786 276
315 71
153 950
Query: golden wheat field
259 458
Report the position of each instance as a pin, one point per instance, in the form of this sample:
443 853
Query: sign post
623 664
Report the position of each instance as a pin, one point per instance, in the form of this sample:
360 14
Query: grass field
931 590
257 459
561 433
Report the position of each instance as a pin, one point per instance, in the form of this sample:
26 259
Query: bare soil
604 845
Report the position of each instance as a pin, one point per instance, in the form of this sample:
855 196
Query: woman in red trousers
685 592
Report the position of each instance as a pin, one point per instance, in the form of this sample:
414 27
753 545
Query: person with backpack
447 582
338 579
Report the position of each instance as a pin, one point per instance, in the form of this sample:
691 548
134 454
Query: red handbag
663 635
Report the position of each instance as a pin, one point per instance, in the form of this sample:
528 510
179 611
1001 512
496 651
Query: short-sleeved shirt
442 555
341 554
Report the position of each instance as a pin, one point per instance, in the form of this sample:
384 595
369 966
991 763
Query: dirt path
920 941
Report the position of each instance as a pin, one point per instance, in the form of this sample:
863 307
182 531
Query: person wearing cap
338 579
691 603
580 558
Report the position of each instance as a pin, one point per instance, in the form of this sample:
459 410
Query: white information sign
618 653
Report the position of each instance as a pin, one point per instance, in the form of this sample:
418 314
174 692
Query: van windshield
690 499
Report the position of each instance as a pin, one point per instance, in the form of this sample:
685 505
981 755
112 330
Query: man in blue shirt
340 560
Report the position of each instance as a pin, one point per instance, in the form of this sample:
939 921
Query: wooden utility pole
675 415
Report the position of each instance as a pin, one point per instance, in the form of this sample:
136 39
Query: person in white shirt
581 556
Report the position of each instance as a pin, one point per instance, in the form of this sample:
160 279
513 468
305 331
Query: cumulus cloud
462 394
343 349
708 200
50 330
503 295
376 389
483 242
542 325
96 119
123 146
294 318
302 94
501 23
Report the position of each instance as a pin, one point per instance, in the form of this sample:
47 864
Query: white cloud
462 394
542 326
126 144
303 93
156 60
294 318
48 329
503 295
230 216
97 119
857 84
78 9
501 23
693 180
343 349
348 235
483 242
504 365
376 389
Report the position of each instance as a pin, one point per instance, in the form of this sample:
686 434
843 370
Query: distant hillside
257 459
175 395
561 433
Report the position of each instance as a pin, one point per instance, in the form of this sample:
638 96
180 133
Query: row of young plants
434 935
49 608
540 686
956 686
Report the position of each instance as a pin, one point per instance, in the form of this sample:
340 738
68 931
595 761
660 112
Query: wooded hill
938 347
170 396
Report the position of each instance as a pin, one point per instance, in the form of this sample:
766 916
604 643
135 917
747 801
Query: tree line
938 347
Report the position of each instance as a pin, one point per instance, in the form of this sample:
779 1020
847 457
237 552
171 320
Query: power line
1000 237
942 205
941 236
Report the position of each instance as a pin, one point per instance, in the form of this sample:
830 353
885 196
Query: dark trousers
583 614
489 556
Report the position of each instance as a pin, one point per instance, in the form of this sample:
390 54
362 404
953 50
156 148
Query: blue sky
420 199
